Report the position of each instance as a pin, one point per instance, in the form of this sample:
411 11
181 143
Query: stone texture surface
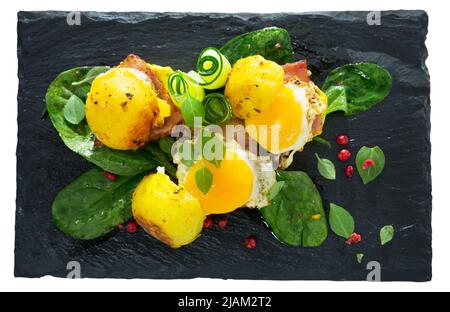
400 125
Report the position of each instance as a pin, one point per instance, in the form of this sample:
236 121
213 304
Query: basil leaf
79 138
341 221
92 206
74 110
186 151
91 75
372 172
326 168
204 179
192 109
213 148
296 215
275 189
359 257
387 234
355 88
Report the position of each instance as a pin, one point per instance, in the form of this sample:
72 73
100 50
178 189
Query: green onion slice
217 109
182 87
214 68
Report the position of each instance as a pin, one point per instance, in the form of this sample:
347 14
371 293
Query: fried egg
241 180
293 119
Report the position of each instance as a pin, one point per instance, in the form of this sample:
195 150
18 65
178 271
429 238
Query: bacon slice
296 70
175 118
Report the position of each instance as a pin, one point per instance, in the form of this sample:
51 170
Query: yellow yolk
232 184
121 109
279 126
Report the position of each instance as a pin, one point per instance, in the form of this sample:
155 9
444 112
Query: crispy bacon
296 70
175 118
317 125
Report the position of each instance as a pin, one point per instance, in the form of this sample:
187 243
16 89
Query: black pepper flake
96 102
257 110
129 96
124 103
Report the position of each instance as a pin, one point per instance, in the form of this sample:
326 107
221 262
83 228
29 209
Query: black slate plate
400 125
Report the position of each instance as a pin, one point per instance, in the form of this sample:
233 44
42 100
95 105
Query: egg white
263 172
306 97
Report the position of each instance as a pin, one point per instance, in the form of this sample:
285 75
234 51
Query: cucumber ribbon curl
217 109
187 94
213 67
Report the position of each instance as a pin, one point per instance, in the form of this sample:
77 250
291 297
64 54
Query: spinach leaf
326 168
91 75
337 100
204 179
161 158
79 138
387 234
275 189
92 206
74 110
370 171
355 88
341 221
165 145
272 43
296 214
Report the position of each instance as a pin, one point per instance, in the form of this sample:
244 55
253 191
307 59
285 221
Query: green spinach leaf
370 171
79 138
326 168
272 43
341 221
387 234
296 215
355 88
91 75
92 206
74 110
275 189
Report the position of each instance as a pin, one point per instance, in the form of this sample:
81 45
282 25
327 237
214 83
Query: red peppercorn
354 239
368 163
120 227
342 139
208 223
110 176
250 242
223 223
344 155
132 227
349 171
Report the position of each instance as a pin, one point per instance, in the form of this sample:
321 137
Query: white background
438 45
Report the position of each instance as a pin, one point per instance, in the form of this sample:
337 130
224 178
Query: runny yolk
279 126
232 184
